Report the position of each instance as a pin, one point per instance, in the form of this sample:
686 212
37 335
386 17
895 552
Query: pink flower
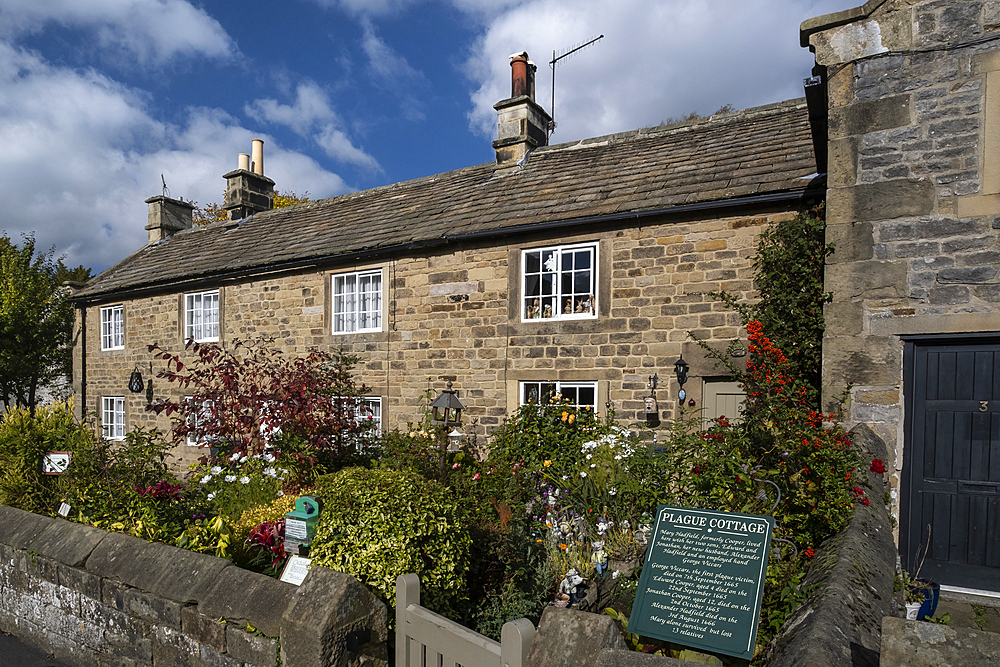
456 466
475 477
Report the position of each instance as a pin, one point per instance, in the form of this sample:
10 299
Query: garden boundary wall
840 624
94 598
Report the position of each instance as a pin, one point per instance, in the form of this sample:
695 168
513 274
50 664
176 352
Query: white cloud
81 154
148 31
656 61
312 116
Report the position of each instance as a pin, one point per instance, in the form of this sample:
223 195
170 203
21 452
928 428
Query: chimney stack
521 122
248 190
167 216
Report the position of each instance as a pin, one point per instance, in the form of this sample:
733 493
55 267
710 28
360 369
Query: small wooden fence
426 639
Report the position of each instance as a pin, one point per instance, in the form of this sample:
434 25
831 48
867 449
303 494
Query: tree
206 215
36 321
244 395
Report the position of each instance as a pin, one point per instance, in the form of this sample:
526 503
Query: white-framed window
579 394
113 327
113 417
197 413
370 408
559 282
201 316
357 301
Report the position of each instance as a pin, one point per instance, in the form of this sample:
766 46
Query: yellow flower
571 418
547 464
539 540
565 415
562 546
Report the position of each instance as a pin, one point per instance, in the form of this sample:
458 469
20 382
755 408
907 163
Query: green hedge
379 524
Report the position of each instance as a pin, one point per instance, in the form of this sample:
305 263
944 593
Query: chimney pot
257 157
244 162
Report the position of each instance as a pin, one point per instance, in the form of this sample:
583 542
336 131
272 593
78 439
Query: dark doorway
951 463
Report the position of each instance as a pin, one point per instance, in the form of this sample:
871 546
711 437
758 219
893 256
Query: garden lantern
455 441
446 408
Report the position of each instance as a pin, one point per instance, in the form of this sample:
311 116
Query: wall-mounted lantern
135 383
652 411
681 369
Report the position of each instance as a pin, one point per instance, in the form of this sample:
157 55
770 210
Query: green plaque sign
703 580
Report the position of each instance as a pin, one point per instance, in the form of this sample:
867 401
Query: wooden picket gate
426 639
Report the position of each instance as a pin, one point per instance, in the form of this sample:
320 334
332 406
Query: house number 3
983 405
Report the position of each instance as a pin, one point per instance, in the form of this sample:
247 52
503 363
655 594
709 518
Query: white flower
593 465
211 495
565 477
206 479
614 575
269 457
230 478
270 472
235 456
243 459
216 470
589 456
612 491
583 474
281 493
244 480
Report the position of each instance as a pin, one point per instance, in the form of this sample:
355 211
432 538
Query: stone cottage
581 268
912 89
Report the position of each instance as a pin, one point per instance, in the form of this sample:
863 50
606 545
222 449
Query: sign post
703 580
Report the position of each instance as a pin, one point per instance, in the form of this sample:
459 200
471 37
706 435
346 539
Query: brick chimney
248 190
167 216
521 122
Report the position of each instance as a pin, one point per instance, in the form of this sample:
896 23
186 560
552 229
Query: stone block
861 361
870 280
948 295
67 542
980 274
334 616
923 644
570 638
250 648
843 318
241 597
870 116
892 199
176 574
851 242
21 527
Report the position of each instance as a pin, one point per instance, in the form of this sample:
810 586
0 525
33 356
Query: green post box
300 524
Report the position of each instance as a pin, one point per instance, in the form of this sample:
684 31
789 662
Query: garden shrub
379 524
24 438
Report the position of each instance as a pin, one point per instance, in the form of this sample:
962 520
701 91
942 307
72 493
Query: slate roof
748 153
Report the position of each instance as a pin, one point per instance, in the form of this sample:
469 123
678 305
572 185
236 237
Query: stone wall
914 191
93 598
455 316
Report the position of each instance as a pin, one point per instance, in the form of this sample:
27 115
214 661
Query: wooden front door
951 468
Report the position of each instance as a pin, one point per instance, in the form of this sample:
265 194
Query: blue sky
98 98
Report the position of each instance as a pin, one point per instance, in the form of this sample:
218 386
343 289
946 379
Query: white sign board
295 570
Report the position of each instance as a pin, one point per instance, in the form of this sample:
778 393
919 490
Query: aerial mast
552 64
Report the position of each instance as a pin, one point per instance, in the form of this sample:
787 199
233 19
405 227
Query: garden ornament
569 587
599 558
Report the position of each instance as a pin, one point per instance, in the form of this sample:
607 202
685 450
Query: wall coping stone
923 644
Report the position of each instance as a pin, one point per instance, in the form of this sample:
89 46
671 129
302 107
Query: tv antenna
552 64
166 190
